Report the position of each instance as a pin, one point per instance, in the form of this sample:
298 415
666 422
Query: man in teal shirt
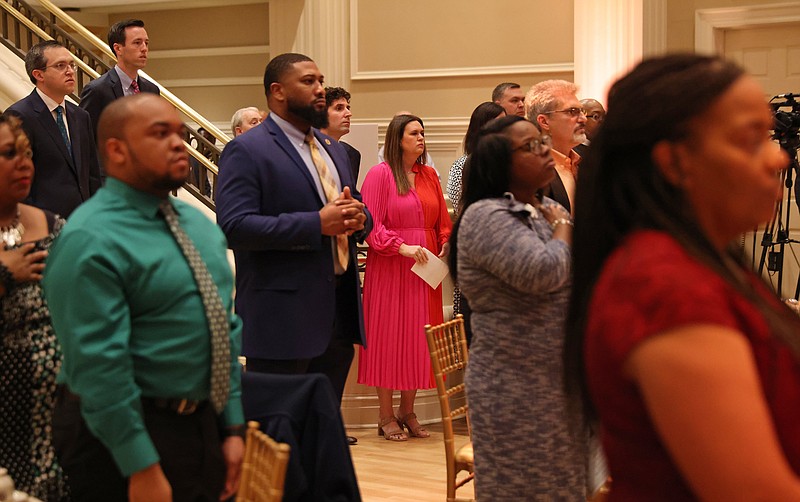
134 421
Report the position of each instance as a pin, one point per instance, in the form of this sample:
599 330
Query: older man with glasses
553 106
64 151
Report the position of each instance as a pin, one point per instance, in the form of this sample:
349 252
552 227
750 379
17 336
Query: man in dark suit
553 106
338 103
288 205
128 41
64 151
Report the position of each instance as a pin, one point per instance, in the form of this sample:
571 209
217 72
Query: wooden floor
411 470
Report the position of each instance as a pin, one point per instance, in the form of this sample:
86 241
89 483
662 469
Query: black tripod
772 239
786 133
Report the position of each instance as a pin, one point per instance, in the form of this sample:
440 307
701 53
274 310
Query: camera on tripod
787 123
786 131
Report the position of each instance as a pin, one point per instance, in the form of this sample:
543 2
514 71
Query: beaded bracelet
561 221
7 278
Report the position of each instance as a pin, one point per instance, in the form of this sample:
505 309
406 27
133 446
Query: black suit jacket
61 181
556 191
100 92
268 206
355 160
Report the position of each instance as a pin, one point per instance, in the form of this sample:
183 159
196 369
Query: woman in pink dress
410 215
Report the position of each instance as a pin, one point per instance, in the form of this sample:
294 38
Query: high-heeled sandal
417 431
398 435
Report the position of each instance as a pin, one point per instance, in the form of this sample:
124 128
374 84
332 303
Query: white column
323 34
610 37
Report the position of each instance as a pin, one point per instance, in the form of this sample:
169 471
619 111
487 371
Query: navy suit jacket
100 92
355 159
61 181
268 206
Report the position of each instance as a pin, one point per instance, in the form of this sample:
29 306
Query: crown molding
469 71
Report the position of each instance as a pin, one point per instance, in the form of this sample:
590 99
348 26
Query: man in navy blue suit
294 241
129 42
64 151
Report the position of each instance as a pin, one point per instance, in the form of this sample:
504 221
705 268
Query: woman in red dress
410 215
685 358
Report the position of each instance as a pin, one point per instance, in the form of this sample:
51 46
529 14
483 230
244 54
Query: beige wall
461 33
214 84
472 36
484 42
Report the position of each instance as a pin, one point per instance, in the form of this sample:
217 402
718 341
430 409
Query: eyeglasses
572 112
537 145
596 116
62 66
12 154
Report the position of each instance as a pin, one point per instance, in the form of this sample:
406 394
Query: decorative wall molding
709 24
209 52
458 72
212 82
442 134
356 74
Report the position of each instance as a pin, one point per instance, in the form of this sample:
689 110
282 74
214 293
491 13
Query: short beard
317 118
579 138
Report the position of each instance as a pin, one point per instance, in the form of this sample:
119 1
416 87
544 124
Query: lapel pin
327 142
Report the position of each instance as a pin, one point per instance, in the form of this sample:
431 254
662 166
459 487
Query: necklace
11 235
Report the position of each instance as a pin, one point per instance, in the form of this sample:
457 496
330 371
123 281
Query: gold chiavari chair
264 467
447 343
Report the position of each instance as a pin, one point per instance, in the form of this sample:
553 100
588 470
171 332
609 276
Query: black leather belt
179 406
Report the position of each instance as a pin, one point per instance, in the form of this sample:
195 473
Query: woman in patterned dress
511 252
29 353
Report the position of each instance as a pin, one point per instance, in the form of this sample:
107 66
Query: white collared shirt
125 81
52 105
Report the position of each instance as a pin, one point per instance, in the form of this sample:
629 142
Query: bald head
141 140
595 114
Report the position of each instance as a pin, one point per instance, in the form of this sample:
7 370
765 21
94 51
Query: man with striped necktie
288 204
129 42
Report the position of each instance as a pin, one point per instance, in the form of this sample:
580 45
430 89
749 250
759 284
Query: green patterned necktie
212 304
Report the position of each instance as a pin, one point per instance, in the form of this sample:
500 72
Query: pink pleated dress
397 303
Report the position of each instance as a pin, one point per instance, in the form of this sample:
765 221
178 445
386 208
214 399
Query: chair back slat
447 343
264 467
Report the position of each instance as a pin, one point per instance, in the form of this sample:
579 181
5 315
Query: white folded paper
432 272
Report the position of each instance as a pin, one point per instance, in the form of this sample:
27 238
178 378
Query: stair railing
23 26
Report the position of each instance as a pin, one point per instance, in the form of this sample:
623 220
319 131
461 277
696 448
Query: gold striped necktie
331 193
